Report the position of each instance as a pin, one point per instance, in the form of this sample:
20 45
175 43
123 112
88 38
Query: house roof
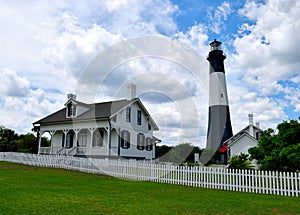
95 111
240 134
234 141
101 110
77 103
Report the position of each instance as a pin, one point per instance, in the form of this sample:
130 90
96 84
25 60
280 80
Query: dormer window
71 110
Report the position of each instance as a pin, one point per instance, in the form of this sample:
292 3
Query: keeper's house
244 139
121 128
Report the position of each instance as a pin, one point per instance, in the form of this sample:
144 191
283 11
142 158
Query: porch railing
45 150
83 151
72 151
61 151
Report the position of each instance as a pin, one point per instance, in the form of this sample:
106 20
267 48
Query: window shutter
128 139
125 139
122 139
149 145
140 141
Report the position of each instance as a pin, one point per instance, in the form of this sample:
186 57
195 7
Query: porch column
40 133
108 140
65 132
91 140
52 132
76 130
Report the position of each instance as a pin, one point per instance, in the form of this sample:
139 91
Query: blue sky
46 46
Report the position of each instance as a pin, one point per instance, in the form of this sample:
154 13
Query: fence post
297 184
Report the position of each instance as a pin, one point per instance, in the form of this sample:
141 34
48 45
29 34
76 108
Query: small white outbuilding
243 140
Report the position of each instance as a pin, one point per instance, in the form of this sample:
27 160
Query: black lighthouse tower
219 123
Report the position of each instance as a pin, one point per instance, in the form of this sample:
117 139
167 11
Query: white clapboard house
121 128
243 140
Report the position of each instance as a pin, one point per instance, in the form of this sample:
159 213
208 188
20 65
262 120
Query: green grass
36 190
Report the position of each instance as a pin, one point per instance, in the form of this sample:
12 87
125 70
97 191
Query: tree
279 151
161 151
191 157
8 140
27 143
240 162
182 153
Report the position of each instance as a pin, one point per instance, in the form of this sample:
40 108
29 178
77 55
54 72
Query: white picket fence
252 181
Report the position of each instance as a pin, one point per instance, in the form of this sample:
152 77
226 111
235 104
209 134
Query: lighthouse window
222 95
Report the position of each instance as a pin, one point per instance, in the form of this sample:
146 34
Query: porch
76 142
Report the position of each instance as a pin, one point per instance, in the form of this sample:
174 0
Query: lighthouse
219 124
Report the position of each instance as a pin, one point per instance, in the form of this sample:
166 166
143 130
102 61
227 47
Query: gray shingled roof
96 111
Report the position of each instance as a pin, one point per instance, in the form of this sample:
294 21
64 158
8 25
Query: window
149 145
139 117
149 127
98 138
128 114
71 110
258 135
125 139
82 138
140 141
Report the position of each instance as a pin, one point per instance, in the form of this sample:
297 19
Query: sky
46 47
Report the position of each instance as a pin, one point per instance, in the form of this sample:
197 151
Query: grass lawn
36 190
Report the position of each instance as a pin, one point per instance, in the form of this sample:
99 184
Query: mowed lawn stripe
37 190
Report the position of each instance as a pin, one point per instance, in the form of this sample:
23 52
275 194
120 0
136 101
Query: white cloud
267 50
74 46
12 84
195 37
266 59
266 110
219 16
20 104
46 46
127 16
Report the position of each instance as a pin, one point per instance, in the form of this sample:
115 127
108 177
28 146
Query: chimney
71 97
250 116
131 91
257 124
251 128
